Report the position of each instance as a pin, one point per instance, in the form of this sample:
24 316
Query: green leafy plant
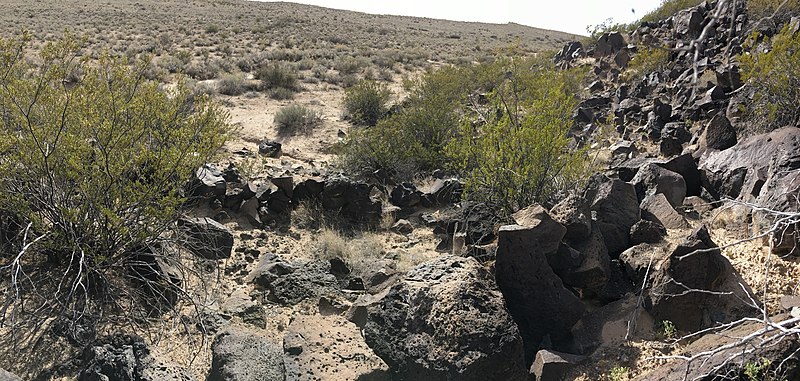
775 77
296 119
619 373
93 170
668 330
366 102
782 9
520 152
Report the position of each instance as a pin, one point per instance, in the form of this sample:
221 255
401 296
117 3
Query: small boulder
616 207
652 179
697 287
8 376
657 209
646 231
553 366
244 355
719 134
206 238
446 320
403 227
573 212
548 232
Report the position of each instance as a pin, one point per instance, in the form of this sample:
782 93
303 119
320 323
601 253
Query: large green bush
92 168
503 126
775 76
519 152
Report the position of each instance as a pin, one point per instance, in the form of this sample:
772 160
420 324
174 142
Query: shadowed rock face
543 309
616 207
697 287
446 320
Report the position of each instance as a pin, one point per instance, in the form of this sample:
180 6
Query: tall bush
520 152
774 74
366 102
92 168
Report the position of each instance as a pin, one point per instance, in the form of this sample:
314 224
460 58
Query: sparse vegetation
296 119
775 77
667 9
781 9
647 60
619 373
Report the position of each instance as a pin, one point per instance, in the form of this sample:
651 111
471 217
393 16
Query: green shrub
519 151
366 102
275 76
295 119
502 126
231 84
647 60
93 172
775 77
668 8
280 93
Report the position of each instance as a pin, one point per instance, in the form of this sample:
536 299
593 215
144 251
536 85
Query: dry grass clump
295 119
359 251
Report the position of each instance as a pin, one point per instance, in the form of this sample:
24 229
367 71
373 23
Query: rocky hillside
676 260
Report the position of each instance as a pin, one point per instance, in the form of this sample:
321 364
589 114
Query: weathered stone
726 358
656 208
548 232
126 358
719 134
686 167
653 179
608 44
402 227
208 182
446 320
244 355
354 200
593 273
642 259
329 348
697 287
616 207
206 238
8 376
553 366
688 23
535 295
612 325
405 195
573 212
646 231
152 269
270 148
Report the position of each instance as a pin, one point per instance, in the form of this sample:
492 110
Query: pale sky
564 15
